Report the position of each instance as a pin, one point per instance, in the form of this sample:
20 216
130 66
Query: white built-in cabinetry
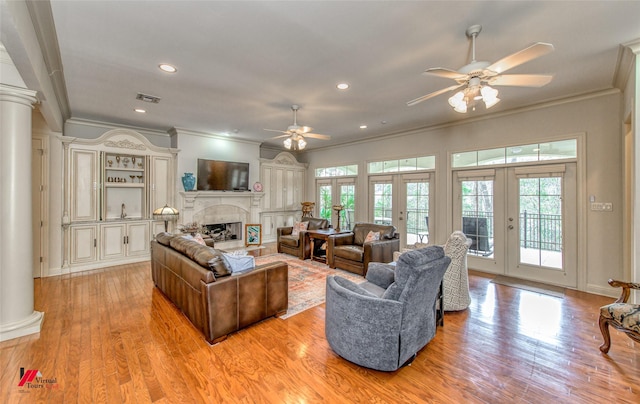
112 186
283 180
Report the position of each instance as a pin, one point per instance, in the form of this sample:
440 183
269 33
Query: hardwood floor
110 336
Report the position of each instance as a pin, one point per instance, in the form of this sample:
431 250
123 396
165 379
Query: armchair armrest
341 239
380 251
626 289
284 231
381 274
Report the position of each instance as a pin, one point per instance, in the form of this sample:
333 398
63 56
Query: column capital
18 95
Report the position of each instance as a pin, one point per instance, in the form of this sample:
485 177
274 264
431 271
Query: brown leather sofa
222 305
300 245
349 251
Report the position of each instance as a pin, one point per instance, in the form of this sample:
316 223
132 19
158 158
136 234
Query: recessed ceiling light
167 68
363 126
140 110
342 86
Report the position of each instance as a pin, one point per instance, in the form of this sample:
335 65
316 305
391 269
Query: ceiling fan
474 79
295 133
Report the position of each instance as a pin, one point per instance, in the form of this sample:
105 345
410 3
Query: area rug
537 287
306 281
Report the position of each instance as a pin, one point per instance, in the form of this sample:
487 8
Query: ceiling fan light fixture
456 99
489 96
301 143
287 143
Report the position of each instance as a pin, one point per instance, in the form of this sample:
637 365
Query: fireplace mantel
189 198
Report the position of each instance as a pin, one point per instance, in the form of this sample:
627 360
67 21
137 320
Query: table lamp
166 213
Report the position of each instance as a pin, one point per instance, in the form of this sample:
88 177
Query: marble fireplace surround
216 207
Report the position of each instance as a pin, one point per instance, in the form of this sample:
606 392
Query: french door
522 221
402 200
337 191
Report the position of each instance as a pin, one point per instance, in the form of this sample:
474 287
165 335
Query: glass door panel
348 201
541 221
383 203
325 201
477 216
417 208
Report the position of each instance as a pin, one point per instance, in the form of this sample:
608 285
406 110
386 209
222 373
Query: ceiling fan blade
281 136
305 129
521 80
431 95
317 136
534 51
276 130
446 73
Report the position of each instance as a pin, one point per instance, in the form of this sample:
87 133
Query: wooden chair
620 315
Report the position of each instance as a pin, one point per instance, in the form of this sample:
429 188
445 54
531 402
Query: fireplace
226 212
221 232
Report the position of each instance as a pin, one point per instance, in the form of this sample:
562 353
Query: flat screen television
215 175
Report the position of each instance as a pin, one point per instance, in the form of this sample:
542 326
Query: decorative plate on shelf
257 187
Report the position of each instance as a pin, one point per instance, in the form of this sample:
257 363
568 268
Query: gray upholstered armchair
350 251
383 322
299 245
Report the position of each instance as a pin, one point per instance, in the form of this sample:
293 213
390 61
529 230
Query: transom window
339 171
562 149
403 165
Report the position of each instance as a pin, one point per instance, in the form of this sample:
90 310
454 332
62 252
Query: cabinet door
112 240
298 192
289 190
137 239
84 185
161 182
277 186
268 228
267 183
158 227
83 244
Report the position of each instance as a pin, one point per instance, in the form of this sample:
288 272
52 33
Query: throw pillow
298 227
218 266
372 236
239 263
198 239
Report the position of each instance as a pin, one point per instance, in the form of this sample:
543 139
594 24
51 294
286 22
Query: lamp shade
166 213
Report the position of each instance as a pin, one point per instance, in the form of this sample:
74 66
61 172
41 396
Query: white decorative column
17 314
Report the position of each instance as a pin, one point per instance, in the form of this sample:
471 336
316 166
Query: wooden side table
322 235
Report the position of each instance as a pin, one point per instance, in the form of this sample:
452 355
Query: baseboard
603 290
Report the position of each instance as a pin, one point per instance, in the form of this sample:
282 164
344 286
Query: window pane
325 201
390 166
382 203
563 149
407 165
477 216
466 159
348 200
491 156
426 163
375 167
519 154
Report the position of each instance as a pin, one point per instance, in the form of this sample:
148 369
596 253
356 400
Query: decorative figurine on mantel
307 208
338 209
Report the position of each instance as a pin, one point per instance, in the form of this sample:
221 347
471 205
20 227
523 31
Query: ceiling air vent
148 98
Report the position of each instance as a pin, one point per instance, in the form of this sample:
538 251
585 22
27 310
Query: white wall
193 145
598 117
